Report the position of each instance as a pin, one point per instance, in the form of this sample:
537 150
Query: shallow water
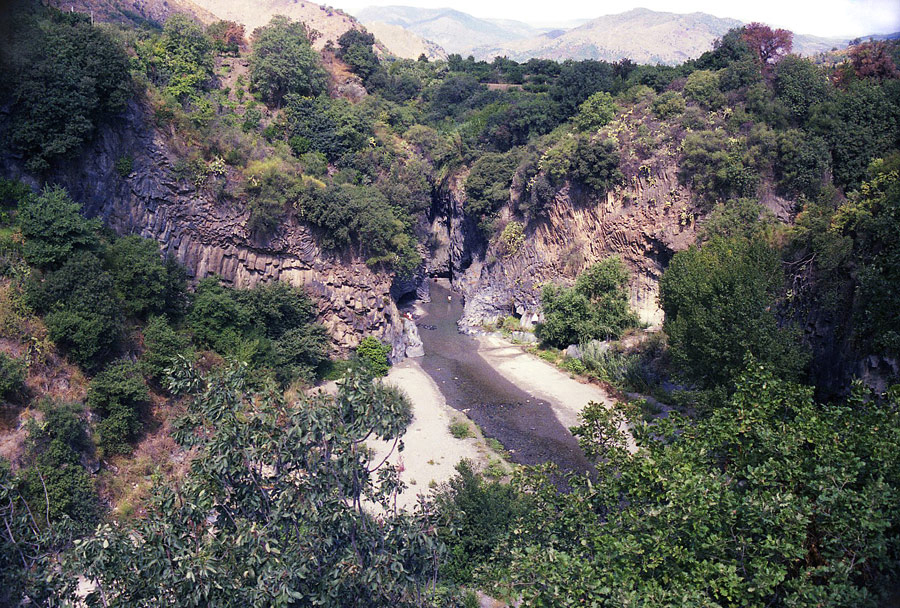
526 426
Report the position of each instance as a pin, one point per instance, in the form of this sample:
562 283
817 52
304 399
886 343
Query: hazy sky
822 17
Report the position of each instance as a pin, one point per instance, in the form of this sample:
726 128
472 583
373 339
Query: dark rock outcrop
210 237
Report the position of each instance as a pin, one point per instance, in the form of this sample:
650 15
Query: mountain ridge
640 34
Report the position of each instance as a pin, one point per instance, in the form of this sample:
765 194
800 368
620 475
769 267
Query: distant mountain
455 31
641 35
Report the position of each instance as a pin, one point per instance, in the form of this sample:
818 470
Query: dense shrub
360 216
702 86
668 104
12 377
271 326
595 164
54 228
799 85
54 482
65 77
320 124
283 61
117 395
597 111
718 167
801 163
718 301
595 308
161 345
355 49
487 186
740 508
373 354
144 282
480 514
272 187
83 315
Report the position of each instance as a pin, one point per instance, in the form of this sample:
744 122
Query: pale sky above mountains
818 17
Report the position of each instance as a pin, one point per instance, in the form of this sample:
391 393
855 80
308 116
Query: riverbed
523 402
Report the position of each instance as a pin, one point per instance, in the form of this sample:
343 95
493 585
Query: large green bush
480 514
161 345
719 302
271 326
118 395
595 164
54 228
54 482
64 76
702 86
596 308
597 111
374 356
283 61
12 377
83 314
775 500
144 282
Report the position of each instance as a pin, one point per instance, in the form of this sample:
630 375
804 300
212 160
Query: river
526 426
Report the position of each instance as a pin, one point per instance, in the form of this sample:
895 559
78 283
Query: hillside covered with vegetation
161 446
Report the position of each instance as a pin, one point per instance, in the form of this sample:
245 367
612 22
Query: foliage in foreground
282 507
774 500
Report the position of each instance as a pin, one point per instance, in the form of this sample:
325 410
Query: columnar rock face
210 237
645 222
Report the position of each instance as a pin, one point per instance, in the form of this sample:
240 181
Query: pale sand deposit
430 451
566 395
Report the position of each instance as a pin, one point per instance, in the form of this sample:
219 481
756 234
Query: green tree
595 164
12 377
144 282
702 86
65 77
117 395
668 104
162 344
285 485
719 301
479 514
800 85
54 482
82 314
595 308
54 228
774 500
596 111
283 61
355 49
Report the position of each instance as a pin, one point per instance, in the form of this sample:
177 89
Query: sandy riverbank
430 452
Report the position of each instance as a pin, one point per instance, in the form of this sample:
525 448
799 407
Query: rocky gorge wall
210 237
645 222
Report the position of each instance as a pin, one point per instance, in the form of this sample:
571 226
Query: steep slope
329 22
455 31
209 237
404 43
